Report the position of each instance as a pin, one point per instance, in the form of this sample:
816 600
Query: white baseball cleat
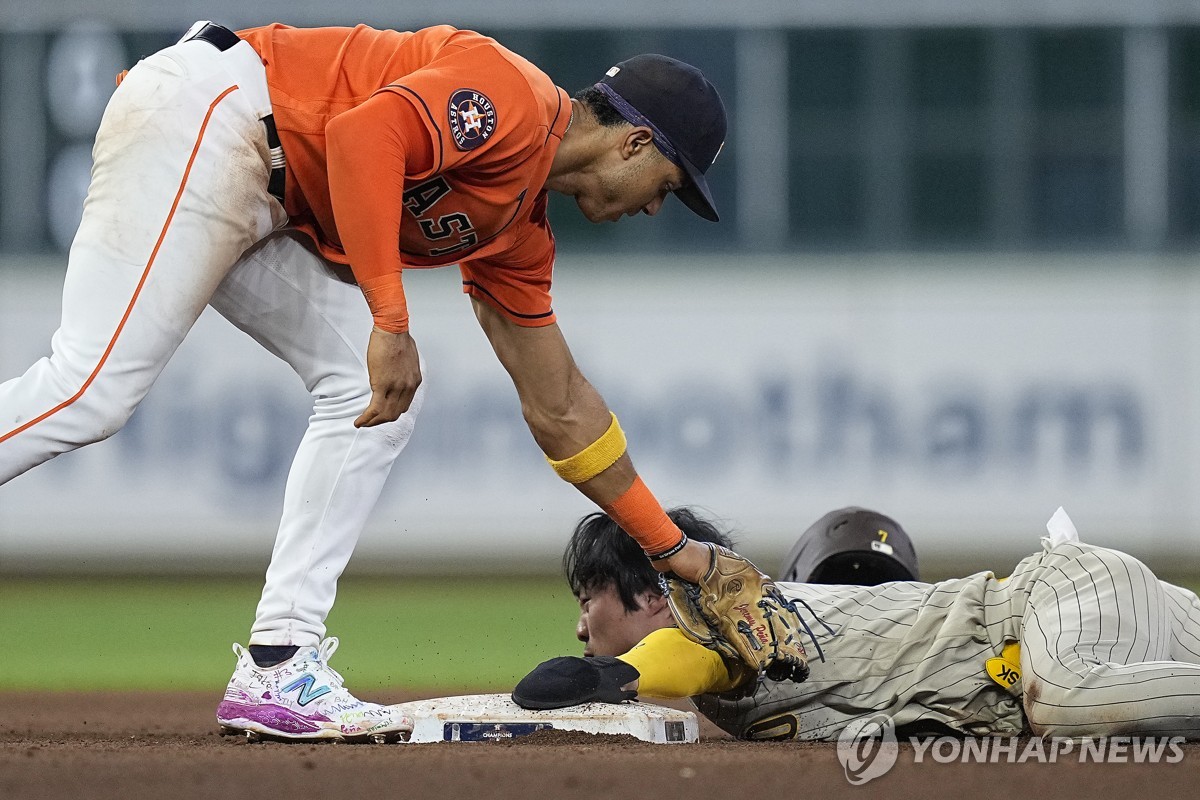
302 699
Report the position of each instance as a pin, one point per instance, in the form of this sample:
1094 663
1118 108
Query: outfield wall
968 396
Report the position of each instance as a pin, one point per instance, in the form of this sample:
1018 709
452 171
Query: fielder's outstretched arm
582 439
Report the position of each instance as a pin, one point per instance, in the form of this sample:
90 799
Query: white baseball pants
177 217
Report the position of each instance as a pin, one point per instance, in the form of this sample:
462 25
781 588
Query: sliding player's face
607 628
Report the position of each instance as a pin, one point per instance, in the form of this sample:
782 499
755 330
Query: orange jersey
418 149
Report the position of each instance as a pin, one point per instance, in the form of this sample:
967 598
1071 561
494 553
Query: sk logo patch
1005 669
472 118
305 683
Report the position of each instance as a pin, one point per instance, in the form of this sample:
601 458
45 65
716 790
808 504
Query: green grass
470 634
423 633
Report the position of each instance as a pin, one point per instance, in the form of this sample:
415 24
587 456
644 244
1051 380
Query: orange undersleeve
641 516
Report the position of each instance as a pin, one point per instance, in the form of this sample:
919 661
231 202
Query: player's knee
344 406
343 394
349 405
1061 711
1031 700
94 413
98 418
395 434
1070 724
92 406
1039 725
1042 720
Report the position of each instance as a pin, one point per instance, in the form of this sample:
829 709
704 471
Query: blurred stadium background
956 280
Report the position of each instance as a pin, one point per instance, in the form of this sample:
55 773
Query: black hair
600 554
597 103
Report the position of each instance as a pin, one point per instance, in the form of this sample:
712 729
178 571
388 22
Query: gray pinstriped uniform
1106 648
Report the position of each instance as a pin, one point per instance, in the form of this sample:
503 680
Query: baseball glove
737 611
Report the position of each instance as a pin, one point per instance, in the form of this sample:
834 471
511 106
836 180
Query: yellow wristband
595 458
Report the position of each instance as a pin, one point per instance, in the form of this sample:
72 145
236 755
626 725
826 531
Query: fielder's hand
394 367
737 611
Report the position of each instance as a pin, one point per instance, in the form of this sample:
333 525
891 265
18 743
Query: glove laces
811 636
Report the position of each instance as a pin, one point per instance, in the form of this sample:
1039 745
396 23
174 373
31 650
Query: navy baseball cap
682 109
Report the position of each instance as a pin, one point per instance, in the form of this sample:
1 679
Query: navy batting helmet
853 546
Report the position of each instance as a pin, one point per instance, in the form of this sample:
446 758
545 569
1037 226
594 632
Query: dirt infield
166 746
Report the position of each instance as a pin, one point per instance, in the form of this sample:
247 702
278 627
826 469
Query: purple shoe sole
274 719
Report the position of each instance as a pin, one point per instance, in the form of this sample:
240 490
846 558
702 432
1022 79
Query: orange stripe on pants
142 282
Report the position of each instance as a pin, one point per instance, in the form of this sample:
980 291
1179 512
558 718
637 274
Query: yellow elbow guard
595 458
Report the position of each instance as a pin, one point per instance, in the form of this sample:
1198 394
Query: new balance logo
305 683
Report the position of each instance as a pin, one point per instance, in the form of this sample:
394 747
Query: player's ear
636 140
654 602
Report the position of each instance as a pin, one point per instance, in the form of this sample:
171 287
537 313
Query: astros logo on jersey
472 118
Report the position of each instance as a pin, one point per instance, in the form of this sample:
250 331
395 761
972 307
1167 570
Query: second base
492 717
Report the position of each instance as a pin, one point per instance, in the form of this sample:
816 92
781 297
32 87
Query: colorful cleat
303 700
